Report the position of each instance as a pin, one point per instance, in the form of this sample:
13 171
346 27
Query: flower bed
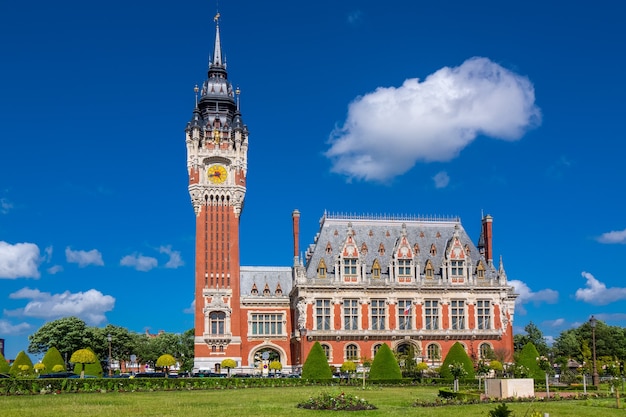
343 402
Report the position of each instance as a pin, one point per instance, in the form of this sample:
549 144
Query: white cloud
526 295
618 236
555 323
89 305
19 261
5 205
597 293
611 316
6 328
387 131
139 262
175 260
441 179
54 269
84 258
191 309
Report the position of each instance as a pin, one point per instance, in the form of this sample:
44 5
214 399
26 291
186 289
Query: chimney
296 231
488 234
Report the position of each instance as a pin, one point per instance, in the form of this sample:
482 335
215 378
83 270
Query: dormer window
433 250
266 290
321 269
480 270
404 270
255 290
279 290
457 271
349 269
376 270
429 270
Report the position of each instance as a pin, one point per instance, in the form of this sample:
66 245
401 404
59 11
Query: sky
447 108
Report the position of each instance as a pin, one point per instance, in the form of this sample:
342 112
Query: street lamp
109 339
595 378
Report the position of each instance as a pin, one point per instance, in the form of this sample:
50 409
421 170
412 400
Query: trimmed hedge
316 365
457 354
385 366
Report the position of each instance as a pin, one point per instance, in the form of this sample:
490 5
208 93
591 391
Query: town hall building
418 284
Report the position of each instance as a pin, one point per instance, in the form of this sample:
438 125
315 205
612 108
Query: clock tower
217 148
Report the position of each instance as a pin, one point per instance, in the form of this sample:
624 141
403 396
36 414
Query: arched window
434 352
376 347
326 350
486 351
352 352
216 322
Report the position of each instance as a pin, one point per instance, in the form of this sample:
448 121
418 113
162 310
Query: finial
237 92
195 90
216 19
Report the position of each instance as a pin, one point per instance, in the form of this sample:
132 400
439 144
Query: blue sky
449 108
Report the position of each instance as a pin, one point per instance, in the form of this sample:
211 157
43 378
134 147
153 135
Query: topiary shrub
457 355
87 363
5 368
51 359
22 366
529 359
316 365
385 366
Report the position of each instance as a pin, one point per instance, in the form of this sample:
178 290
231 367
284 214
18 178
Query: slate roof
387 231
261 275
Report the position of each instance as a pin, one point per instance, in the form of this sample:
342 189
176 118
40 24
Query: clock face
217 174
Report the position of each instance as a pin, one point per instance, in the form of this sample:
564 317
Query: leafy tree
82 357
497 367
94 369
348 366
457 354
276 366
22 366
610 342
316 365
52 358
385 365
421 368
4 365
533 335
187 350
529 359
165 361
67 334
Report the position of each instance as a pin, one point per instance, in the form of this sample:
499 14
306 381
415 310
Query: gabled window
429 270
255 290
266 290
321 269
404 270
457 271
376 269
480 270
279 290
350 269
433 250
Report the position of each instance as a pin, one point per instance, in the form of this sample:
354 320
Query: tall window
430 271
352 352
378 314
375 350
457 312
351 314
404 269
405 312
267 324
322 314
486 352
483 314
321 269
216 322
431 313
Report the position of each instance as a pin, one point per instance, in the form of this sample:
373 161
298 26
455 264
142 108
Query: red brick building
408 282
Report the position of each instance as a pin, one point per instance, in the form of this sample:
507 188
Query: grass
273 402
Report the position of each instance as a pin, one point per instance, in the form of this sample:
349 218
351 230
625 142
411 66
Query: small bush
343 402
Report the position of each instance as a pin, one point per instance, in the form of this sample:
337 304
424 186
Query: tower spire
217 52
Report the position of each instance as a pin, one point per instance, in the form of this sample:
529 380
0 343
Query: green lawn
273 402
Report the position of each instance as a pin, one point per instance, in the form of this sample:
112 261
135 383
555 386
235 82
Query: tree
52 358
165 361
22 366
4 365
67 334
82 357
187 350
457 354
533 335
385 366
529 359
497 367
316 365
348 367
276 366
